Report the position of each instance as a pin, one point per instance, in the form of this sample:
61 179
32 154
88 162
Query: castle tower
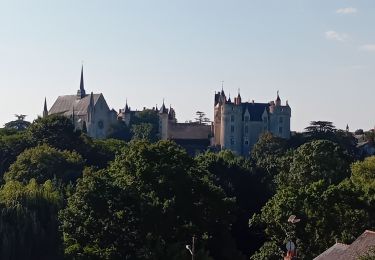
278 100
238 99
163 122
81 93
45 110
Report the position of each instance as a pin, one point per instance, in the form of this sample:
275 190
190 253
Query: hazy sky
320 54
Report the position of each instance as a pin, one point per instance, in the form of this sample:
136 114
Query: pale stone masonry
238 125
87 111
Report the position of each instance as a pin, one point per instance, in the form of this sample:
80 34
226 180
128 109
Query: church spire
45 110
81 93
127 108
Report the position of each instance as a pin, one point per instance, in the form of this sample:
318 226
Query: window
232 118
246 129
232 128
247 118
246 141
232 142
280 120
280 130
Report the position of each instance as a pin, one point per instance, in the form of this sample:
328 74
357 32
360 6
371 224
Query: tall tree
20 124
44 163
201 118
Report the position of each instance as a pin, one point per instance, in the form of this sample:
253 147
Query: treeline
66 196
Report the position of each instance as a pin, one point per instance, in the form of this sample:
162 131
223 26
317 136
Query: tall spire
45 110
81 93
127 108
278 100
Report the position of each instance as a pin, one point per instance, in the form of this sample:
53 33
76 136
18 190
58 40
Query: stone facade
89 112
238 125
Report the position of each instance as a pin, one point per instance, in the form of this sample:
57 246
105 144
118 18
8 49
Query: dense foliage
66 196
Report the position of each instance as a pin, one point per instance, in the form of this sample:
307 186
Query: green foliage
43 163
146 120
101 221
319 227
120 131
28 221
56 131
317 127
18 125
271 156
142 131
363 177
163 199
11 145
239 180
314 161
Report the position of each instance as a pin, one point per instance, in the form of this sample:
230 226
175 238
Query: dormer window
247 118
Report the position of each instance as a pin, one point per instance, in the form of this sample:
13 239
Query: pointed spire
278 100
222 88
163 109
92 100
81 93
127 108
229 100
45 110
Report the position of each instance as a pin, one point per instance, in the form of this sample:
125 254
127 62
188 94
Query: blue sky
319 54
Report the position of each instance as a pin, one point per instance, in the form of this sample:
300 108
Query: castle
237 125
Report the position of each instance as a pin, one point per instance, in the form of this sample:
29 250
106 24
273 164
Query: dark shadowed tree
20 124
44 163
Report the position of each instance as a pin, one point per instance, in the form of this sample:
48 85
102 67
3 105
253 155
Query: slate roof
255 109
359 247
64 105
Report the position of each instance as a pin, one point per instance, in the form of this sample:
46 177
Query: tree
163 199
56 131
201 118
28 221
269 155
319 227
142 131
314 161
148 119
101 221
44 163
239 180
19 125
317 127
120 131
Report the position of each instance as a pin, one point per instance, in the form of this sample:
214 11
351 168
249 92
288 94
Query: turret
278 100
163 109
127 108
238 99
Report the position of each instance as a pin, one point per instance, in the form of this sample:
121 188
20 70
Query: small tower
127 108
81 93
45 110
278 100
238 99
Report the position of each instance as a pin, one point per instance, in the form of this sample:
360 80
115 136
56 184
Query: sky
319 54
